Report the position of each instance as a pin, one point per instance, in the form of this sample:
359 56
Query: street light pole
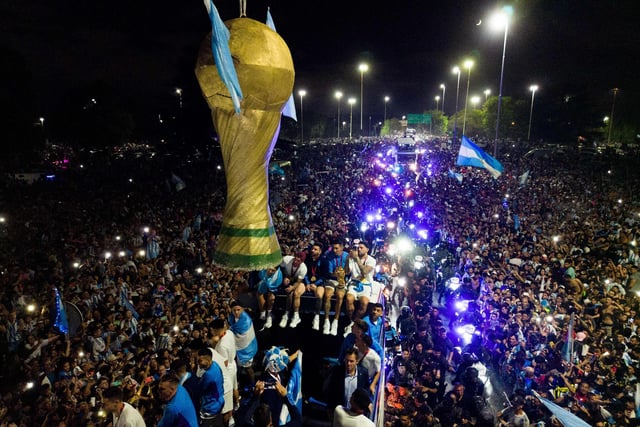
179 92
467 64
613 106
533 89
302 93
437 98
487 92
338 96
456 70
386 99
351 102
501 18
442 86
362 68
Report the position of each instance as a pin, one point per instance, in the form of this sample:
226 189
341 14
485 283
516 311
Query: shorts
360 289
334 284
263 289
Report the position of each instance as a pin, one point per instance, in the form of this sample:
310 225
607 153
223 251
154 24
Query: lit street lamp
351 101
179 93
442 86
487 92
338 96
501 20
302 93
475 100
437 98
613 106
533 89
386 99
456 70
467 64
363 68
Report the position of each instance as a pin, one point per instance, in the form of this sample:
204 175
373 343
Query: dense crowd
548 258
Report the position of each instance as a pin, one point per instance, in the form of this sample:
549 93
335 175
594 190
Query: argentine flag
294 390
245 335
289 109
472 155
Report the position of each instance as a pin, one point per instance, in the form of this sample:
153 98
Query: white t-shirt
345 418
288 270
356 274
129 417
371 363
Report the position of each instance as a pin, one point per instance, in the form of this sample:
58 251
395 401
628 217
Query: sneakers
316 323
268 322
334 327
295 320
284 320
347 330
326 329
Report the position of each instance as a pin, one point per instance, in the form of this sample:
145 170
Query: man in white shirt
124 415
362 268
356 415
224 343
294 271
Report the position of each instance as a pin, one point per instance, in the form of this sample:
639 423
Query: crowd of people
547 253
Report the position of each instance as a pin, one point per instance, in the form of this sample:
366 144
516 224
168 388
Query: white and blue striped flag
566 417
294 391
472 155
245 335
289 109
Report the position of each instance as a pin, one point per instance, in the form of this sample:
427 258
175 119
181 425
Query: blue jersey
179 411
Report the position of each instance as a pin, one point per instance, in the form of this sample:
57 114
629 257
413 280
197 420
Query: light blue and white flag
567 353
523 179
61 322
178 183
455 175
472 155
245 335
565 416
294 390
289 109
222 55
126 304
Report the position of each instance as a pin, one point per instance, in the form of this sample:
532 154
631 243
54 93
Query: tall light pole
613 106
179 93
443 87
351 101
468 64
456 70
487 92
501 20
338 95
386 99
533 89
437 98
363 68
475 100
302 94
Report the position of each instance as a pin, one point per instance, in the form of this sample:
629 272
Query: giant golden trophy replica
262 60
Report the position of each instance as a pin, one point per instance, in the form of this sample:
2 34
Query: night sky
147 49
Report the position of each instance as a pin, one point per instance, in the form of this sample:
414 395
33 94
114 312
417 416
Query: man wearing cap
362 267
294 271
